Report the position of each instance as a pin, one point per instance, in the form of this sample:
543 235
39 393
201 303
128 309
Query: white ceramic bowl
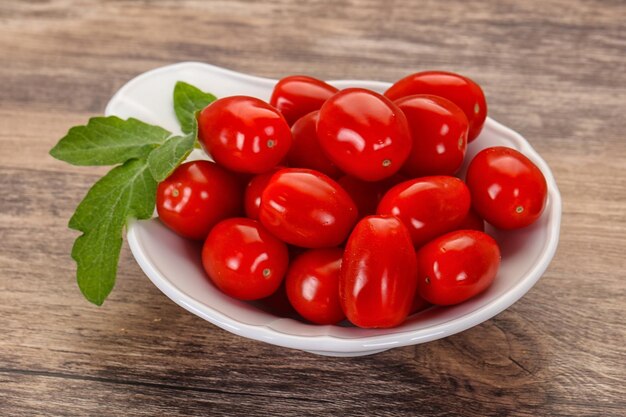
173 264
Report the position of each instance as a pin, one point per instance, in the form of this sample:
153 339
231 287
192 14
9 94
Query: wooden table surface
553 70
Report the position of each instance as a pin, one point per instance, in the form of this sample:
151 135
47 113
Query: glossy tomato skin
457 266
196 196
508 190
312 285
244 134
460 90
306 208
428 206
378 273
305 151
367 194
297 95
365 134
254 190
243 259
439 133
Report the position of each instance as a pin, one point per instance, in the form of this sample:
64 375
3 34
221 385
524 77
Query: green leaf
187 101
148 154
127 191
164 159
108 141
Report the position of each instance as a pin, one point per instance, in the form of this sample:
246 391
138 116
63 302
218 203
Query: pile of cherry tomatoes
346 201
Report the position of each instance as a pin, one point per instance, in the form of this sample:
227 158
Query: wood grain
553 70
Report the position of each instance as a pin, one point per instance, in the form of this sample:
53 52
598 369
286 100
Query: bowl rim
331 343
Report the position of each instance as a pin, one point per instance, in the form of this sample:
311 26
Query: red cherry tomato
243 259
196 196
244 134
508 190
428 206
472 222
378 273
418 304
364 134
367 194
460 90
306 208
457 266
305 151
297 95
312 285
253 192
439 133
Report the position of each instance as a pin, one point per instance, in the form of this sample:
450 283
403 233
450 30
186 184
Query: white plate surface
173 265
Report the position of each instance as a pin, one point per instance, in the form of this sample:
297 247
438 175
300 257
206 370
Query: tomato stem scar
386 162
